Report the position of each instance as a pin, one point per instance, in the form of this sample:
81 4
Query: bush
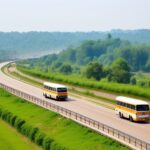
142 84
12 120
9 116
32 133
3 115
0 112
47 143
56 146
39 138
25 129
133 81
18 123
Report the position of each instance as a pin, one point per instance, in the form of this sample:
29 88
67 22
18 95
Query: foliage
104 51
120 71
35 44
94 70
133 80
66 69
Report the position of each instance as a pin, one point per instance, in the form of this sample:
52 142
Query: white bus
55 91
133 109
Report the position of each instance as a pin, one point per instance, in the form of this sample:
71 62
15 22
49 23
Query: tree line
29 44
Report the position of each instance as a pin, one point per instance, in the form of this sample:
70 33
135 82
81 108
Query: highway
86 108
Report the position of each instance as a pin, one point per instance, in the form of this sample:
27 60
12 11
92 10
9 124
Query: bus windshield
142 107
61 89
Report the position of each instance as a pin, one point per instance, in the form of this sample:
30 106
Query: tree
94 70
66 69
109 36
133 80
147 66
120 71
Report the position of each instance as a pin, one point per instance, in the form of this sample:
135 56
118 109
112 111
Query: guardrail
124 138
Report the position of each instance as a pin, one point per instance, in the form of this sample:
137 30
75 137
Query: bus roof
131 100
54 85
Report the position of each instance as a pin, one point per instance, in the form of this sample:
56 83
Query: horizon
107 31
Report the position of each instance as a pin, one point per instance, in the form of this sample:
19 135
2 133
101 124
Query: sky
73 15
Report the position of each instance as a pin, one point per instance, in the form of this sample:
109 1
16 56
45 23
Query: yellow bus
133 109
55 91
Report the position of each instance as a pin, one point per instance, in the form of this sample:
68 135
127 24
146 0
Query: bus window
118 103
128 105
133 107
142 107
61 89
121 104
45 87
124 104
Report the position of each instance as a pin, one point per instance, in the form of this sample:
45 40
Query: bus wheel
45 95
131 119
120 115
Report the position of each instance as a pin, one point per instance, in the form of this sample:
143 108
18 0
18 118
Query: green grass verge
10 139
64 131
78 80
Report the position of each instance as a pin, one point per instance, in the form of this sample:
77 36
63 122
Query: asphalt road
89 109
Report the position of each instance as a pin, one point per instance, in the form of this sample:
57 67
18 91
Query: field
10 139
64 131
78 80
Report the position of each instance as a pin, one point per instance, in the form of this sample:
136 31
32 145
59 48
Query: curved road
91 110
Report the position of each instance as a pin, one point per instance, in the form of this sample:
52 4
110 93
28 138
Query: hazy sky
73 15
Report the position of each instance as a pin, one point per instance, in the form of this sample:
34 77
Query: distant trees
94 70
109 36
147 66
104 51
120 71
66 69
136 56
111 58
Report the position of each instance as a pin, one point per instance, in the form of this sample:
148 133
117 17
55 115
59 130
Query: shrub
0 112
12 120
32 133
133 80
25 129
47 143
8 118
39 138
18 123
55 146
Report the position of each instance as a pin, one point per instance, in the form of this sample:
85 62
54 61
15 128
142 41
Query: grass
66 132
10 139
77 80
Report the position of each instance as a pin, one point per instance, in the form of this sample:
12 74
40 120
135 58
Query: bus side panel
50 94
125 112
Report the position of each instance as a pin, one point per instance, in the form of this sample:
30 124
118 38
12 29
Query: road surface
89 109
